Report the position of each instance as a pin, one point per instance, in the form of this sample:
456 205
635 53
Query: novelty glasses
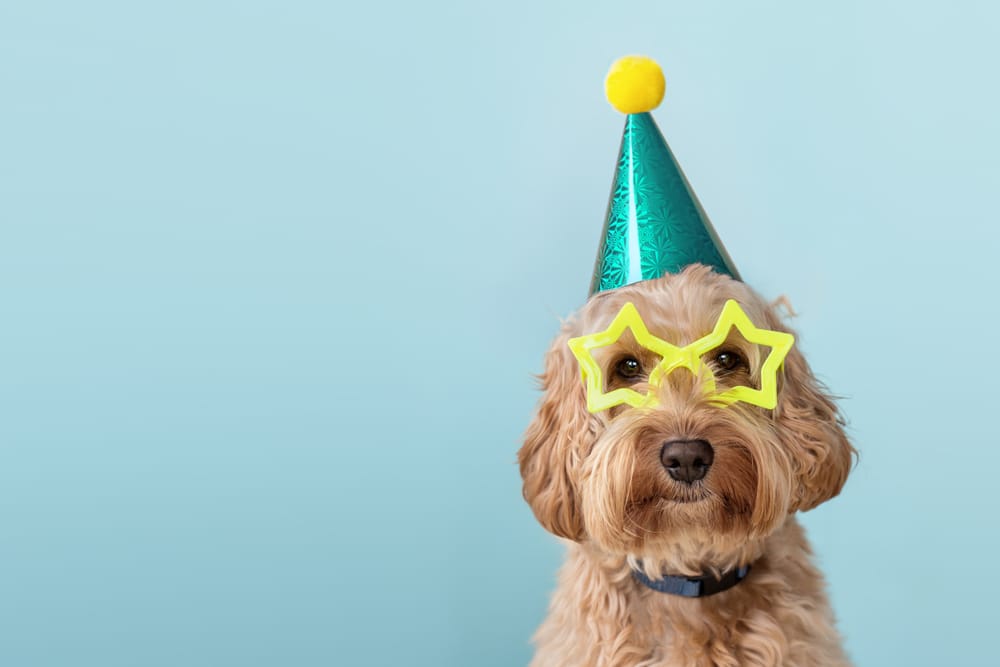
689 357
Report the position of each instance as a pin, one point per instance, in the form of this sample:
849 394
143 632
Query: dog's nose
687 460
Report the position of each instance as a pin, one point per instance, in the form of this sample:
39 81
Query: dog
683 491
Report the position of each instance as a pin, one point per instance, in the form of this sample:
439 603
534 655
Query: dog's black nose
687 460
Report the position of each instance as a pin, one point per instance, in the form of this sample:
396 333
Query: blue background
274 278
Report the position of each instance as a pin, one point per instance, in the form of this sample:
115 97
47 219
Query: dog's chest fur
599 616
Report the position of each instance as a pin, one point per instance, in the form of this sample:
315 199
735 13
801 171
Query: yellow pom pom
634 84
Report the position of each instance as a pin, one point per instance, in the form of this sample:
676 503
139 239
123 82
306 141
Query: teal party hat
654 224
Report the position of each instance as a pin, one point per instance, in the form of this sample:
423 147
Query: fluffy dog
610 484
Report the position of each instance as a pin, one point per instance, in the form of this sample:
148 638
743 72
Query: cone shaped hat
654 223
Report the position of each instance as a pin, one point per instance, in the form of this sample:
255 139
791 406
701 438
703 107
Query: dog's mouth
690 494
662 501
640 504
645 514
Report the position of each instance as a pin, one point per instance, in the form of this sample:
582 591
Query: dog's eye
628 368
728 361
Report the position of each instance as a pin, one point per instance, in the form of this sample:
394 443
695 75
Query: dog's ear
554 444
813 433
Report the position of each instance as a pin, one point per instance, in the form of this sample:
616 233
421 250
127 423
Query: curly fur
597 480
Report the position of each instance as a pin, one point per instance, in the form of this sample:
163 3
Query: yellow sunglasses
674 357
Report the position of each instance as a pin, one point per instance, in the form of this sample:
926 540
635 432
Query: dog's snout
687 460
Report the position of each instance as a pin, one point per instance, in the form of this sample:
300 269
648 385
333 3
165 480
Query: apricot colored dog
684 490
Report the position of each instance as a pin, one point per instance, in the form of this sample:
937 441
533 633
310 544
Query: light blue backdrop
274 278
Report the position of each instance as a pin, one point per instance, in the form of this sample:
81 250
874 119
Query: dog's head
685 475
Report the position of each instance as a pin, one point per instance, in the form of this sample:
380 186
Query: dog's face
685 478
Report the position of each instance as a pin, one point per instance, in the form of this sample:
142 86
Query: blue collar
694 587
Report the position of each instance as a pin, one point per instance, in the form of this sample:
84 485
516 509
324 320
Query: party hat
655 224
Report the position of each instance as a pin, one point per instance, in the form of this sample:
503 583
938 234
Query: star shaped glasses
674 357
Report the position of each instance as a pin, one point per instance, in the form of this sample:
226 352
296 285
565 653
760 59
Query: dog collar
694 587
